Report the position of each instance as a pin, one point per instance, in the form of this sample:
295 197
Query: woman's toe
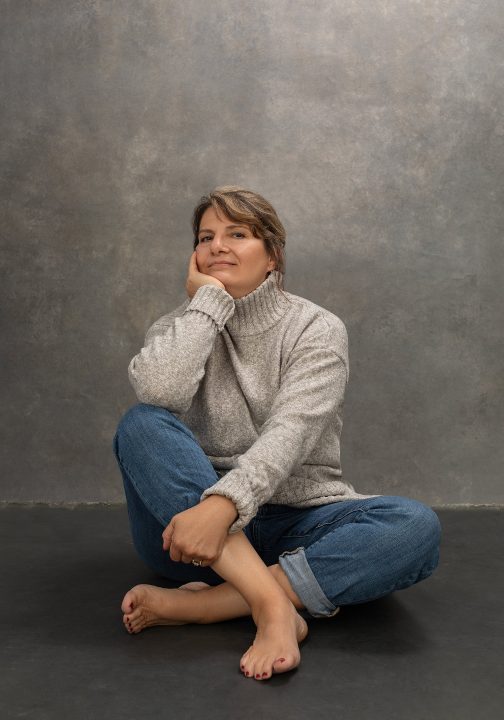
128 602
280 665
136 623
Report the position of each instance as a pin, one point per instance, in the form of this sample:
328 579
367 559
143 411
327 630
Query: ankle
195 606
272 604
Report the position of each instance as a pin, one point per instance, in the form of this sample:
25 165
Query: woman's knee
426 524
410 541
141 421
421 533
138 417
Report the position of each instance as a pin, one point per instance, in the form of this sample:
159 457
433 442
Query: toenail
258 675
281 659
264 674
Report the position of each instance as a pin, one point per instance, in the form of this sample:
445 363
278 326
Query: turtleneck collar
260 309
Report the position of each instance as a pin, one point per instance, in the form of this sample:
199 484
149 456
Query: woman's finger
175 554
167 536
193 262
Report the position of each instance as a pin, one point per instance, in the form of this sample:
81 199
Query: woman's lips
222 264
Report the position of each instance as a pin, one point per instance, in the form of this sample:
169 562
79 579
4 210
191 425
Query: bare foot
280 628
147 605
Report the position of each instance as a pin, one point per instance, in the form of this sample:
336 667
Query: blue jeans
341 553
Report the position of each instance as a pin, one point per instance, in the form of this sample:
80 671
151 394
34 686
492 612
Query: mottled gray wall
374 127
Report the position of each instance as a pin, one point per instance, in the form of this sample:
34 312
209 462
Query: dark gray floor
434 650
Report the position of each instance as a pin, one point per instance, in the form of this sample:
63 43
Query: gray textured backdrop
375 128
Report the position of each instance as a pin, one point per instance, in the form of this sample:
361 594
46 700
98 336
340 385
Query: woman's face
222 240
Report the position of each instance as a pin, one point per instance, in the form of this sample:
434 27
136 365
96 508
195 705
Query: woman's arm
311 392
169 368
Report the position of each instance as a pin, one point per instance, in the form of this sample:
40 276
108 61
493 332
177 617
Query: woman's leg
161 463
352 551
224 602
164 472
280 628
159 459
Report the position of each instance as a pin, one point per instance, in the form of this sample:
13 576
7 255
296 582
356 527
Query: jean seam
360 509
315 527
357 515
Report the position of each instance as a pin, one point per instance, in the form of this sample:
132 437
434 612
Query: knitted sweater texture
260 381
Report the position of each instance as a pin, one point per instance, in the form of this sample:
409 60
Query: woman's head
240 227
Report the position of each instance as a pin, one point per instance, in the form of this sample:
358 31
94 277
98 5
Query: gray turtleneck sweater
260 381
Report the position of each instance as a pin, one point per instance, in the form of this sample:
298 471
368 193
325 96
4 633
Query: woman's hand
195 278
200 532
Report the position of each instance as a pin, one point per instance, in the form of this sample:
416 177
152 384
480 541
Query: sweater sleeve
169 368
311 391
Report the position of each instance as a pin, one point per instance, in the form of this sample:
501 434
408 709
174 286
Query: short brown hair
247 207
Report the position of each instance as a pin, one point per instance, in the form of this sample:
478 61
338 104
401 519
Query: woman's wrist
224 506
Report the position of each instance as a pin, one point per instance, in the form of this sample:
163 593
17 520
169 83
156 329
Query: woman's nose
217 241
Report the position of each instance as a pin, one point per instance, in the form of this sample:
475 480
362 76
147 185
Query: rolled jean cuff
305 584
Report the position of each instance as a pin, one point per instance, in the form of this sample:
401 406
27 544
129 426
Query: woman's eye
209 237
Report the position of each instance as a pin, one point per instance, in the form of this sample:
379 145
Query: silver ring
196 562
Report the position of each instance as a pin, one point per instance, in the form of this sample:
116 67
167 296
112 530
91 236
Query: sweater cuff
232 487
213 301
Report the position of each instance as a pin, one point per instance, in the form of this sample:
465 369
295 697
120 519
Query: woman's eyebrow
228 227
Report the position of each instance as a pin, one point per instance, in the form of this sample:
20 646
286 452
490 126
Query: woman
231 459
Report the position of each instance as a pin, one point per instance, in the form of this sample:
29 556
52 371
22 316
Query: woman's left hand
198 533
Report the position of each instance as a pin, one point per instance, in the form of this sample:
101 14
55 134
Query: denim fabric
341 553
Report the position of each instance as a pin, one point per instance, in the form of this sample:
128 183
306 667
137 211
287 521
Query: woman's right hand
195 278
